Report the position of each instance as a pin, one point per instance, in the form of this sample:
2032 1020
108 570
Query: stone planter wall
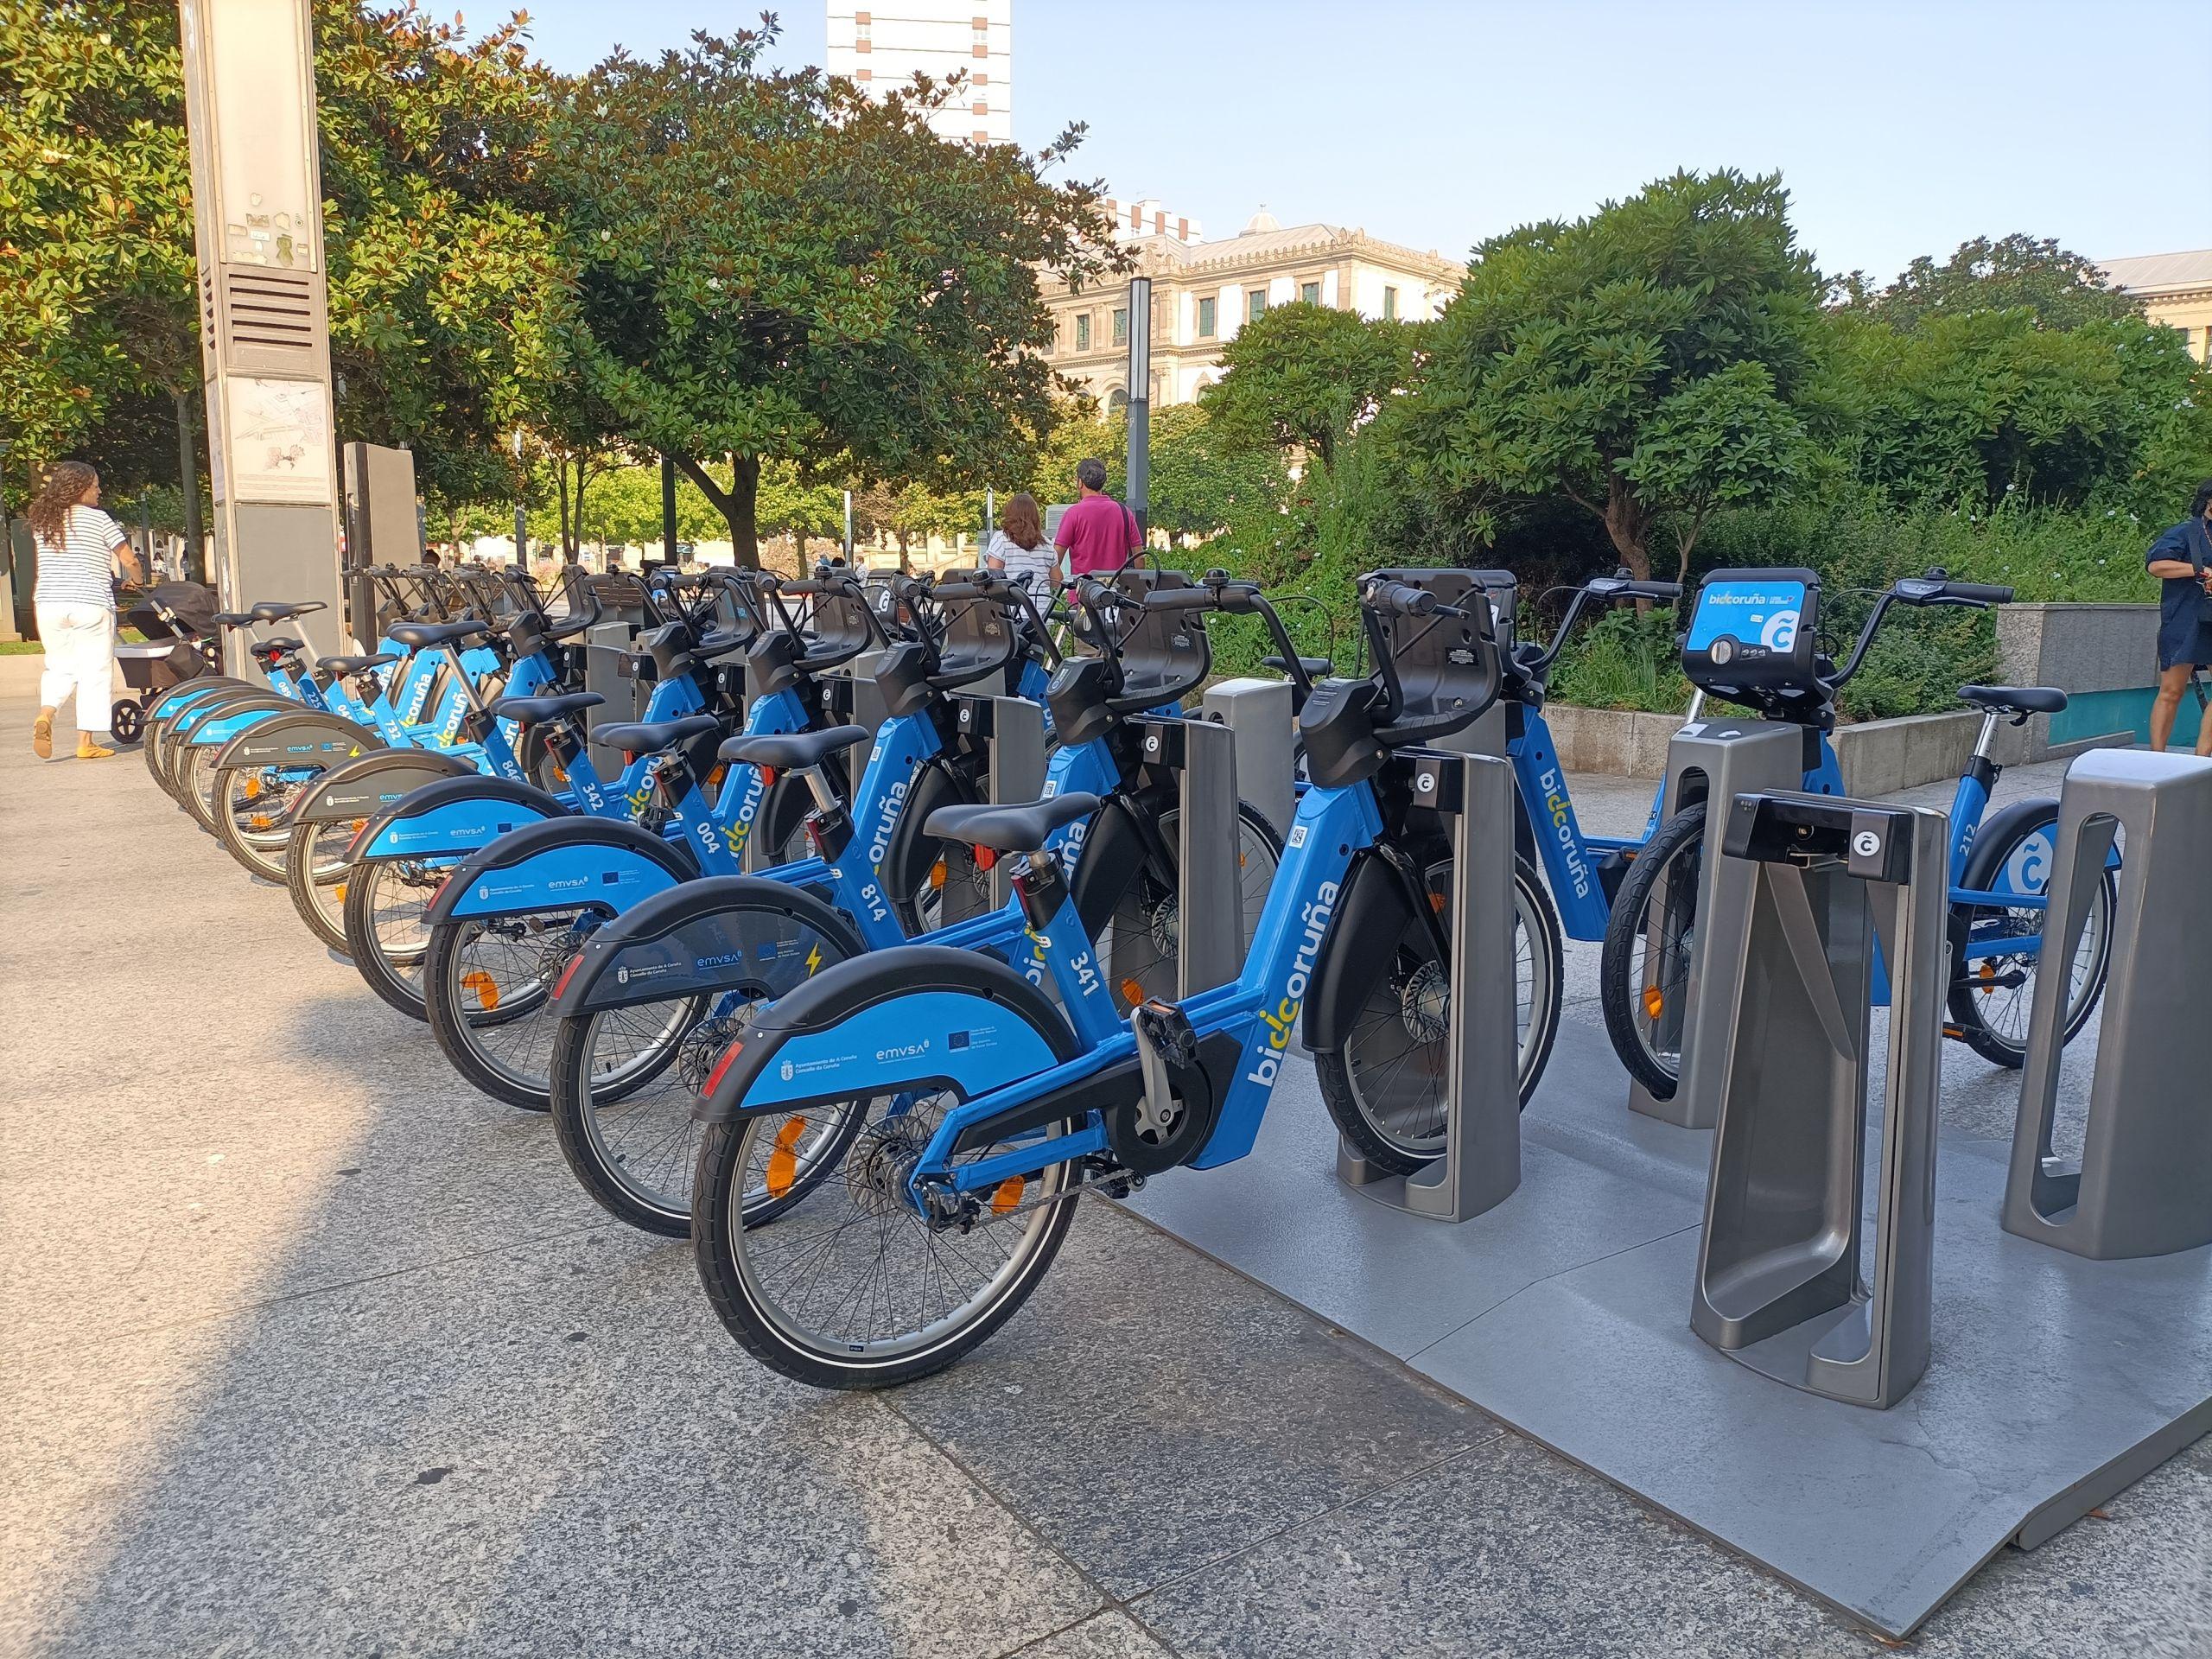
1878 757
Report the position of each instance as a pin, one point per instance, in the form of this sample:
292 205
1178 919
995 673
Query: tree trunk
1629 527
187 473
737 504
561 479
583 477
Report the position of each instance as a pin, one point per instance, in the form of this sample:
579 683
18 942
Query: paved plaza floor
306 1349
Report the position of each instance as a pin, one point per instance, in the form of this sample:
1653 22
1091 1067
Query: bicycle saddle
1022 829
275 613
1317 668
357 664
425 636
647 736
231 618
793 751
530 711
2014 699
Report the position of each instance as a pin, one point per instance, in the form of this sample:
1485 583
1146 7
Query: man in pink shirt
1098 534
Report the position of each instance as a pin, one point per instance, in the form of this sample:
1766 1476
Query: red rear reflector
721 1067
767 777
568 973
985 857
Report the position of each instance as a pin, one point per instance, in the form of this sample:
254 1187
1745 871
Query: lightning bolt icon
813 959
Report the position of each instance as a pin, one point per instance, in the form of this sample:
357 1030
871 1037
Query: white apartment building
883 46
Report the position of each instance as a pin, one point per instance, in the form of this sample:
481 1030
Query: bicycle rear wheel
851 1287
1992 994
1139 948
624 1079
487 988
386 932
316 872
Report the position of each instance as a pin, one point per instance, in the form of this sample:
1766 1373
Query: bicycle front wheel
1643 976
1388 1086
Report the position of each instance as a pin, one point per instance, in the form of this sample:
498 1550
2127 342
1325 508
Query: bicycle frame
1001 1066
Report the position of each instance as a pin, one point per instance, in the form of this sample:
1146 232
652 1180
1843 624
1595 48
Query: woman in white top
74 601
1018 549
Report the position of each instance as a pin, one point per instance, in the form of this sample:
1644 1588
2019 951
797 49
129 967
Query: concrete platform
1565 1311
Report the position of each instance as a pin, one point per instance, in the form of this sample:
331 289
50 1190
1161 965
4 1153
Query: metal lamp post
1139 471
522 508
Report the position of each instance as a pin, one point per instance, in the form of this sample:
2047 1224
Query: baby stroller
178 619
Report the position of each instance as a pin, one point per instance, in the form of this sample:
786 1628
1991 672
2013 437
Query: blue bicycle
893 1148
2000 862
659 992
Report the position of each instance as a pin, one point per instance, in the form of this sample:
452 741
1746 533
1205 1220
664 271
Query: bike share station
1869 1385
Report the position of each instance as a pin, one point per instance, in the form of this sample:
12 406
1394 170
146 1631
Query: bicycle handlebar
1936 587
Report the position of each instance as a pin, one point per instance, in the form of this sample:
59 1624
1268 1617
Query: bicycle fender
907 863
453 815
364 787
676 942
194 689
2022 869
1372 917
560 863
300 739
212 726
1113 853
918 1017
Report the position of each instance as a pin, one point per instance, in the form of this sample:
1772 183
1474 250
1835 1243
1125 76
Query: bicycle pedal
1165 1029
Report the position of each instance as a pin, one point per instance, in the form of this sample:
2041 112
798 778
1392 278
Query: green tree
443 278
1986 403
96 308
771 266
1651 363
1204 482
1300 376
2061 287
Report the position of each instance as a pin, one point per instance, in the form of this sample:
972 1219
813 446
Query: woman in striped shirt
77 547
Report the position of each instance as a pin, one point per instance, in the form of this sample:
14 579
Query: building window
1255 304
863 76
863 33
980 77
982 46
979 108
1122 327
1117 401
1206 319
1309 293
1083 333
1390 305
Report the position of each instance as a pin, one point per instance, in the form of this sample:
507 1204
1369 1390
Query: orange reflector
253 787
1132 993
783 1162
936 876
1007 1193
1654 1001
1436 902
259 821
341 890
560 774
487 988
1956 1034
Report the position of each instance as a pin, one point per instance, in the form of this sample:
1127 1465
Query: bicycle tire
366 947
1536 919
1619 995
1969 1001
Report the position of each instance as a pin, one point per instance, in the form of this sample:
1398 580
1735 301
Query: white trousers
80 641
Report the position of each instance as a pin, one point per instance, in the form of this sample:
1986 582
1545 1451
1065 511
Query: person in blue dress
2181 559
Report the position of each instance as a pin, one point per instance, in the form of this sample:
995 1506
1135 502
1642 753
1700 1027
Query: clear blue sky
1900 129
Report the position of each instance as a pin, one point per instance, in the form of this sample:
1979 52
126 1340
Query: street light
1139 471
522 508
